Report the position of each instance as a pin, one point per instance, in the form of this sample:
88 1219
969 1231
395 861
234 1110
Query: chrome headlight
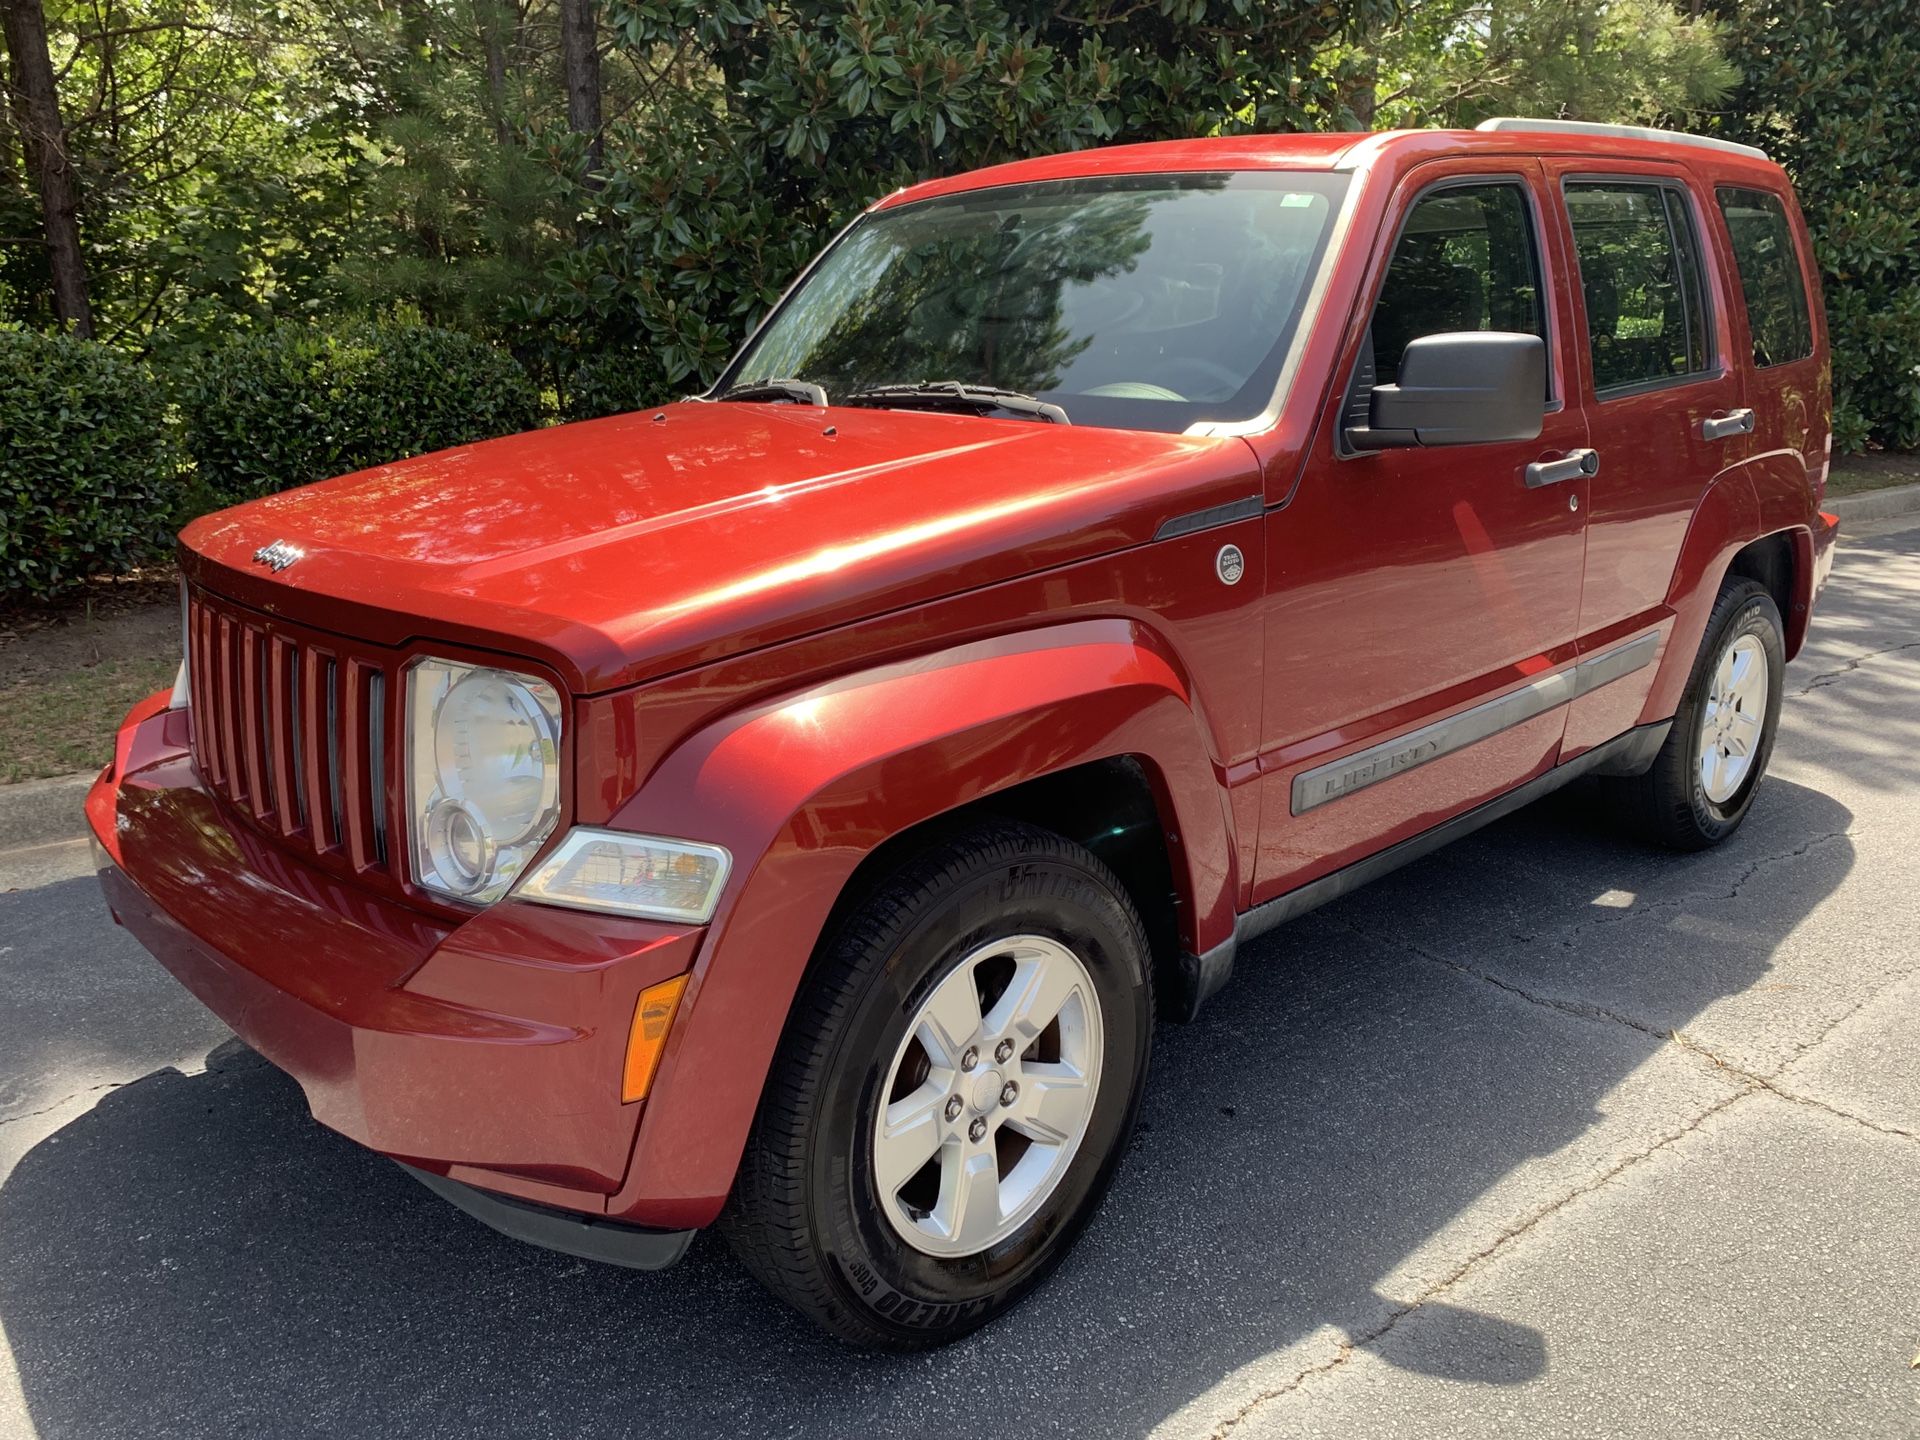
483 775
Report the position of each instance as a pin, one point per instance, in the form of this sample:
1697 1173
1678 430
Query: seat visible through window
1465 261
1640 276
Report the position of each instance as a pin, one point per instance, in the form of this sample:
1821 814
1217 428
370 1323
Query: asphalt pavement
1546 1135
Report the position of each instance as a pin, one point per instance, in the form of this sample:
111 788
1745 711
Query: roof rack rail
1623 132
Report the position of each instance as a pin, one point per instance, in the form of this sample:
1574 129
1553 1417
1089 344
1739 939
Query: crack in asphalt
1506 1238
1894 1132
1752 1079
238 1063
1769 1082
1567 936
67 1100
1679 902
1749 1083
1832 677
1583 1010
1803 1048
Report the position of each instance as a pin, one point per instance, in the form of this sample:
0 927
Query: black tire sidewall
877 1273
1752 614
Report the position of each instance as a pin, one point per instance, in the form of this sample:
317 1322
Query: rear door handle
1720 427
1551 472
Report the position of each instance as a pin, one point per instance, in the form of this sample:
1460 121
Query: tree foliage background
611 191
1832 91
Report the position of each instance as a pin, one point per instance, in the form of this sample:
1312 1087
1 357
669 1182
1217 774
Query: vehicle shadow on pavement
195 1256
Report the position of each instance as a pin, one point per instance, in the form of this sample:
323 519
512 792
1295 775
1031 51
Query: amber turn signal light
652 1018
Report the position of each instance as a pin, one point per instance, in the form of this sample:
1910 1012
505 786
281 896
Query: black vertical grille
291 728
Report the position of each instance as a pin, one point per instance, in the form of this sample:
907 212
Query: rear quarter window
1770 278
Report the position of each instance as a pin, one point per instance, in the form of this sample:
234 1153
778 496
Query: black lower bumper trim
608 1241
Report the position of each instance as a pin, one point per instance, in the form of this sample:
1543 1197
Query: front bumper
488 1052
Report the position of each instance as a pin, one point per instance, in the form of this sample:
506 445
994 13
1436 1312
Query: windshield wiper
955 395
799 392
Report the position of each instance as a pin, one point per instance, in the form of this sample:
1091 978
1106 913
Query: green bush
294 404
1832 92
609 383
90 482
788 119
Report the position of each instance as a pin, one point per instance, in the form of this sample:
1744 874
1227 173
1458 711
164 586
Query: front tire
1703 781
954 1092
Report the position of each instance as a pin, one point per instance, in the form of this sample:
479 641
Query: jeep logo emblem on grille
277 556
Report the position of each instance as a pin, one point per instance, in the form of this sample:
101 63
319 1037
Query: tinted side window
1769 276
1465 261
1640 276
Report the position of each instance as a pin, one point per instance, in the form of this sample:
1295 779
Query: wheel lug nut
1009 1093
1003 1052
977 1131
953 1107
970 1059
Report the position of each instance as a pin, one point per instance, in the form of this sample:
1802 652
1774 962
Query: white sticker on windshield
1295 200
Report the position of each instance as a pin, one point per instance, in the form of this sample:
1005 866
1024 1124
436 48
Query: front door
1421 600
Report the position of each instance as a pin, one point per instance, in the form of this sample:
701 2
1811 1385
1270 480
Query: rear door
1665 409
1411 589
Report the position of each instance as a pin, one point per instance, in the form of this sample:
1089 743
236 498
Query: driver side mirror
1468 387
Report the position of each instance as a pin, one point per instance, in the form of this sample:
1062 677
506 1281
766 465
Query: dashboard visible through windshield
1148 302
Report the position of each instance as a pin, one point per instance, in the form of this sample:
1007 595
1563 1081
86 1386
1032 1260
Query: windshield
1150 302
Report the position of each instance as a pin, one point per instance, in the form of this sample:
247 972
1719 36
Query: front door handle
1720 427
1572 466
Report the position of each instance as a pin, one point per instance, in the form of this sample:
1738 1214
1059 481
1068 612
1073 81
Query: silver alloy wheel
988 1097
1732 718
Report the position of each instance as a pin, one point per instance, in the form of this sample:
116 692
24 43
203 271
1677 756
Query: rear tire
1702 783
1027 1112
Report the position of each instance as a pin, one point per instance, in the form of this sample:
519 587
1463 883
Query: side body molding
800 790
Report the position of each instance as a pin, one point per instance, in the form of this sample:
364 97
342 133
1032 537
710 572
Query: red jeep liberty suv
792 807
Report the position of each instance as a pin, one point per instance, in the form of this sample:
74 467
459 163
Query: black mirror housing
1468 387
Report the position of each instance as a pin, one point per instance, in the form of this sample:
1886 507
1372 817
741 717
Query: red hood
623 548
